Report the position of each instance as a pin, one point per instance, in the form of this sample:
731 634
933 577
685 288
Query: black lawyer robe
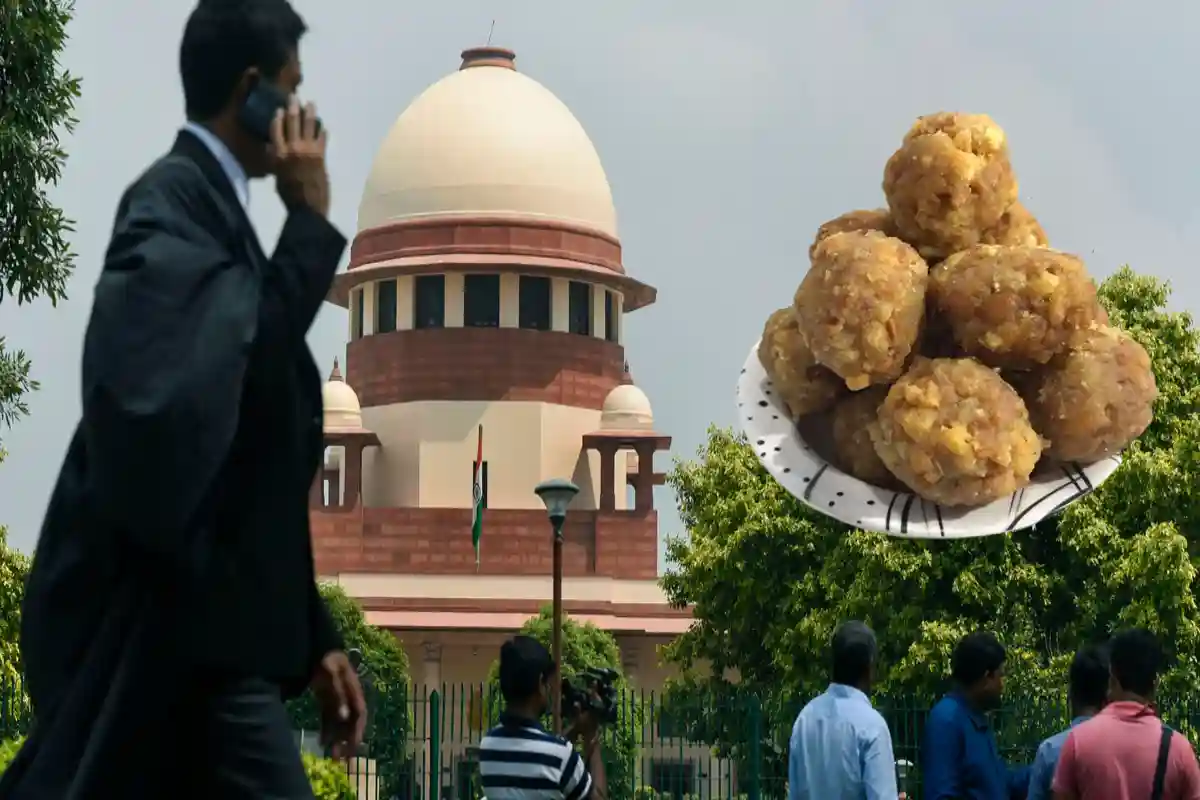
176 544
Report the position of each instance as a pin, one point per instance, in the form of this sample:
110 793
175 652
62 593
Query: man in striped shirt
519 758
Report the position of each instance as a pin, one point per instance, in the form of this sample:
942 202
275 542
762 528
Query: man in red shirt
1125 752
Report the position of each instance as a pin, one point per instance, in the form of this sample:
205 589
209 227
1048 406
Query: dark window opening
579 308
429 301
481 301
483 482
356 314
385 306
610 317
535 303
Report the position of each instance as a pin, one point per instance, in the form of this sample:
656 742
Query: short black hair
853 649
1089 676
1135 657
224 38
975 655
525 664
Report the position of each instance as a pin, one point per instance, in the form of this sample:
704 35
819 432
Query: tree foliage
583 646
14 570
37 100
769 579
385 683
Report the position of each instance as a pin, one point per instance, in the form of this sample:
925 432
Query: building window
385 306
610 317
535 303
429 301
673 778
356 313
482 480
481 301
579 308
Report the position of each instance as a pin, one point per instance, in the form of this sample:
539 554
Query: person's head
1088 680
527 672
854 650
228 46
977 666
1135 657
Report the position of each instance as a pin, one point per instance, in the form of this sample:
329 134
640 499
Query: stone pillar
431 663
643 488
352 463
629 661
608 468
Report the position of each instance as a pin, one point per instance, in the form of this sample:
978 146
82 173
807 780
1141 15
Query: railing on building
422 744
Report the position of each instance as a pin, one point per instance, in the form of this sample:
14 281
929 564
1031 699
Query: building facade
487 297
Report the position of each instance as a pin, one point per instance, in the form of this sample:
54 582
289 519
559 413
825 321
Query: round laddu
1014 307
804 386
955 433
1096 398
861 304
950 181
862 220
1016 227
854 451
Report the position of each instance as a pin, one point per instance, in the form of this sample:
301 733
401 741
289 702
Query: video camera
594 689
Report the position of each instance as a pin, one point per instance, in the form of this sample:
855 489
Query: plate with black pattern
802 471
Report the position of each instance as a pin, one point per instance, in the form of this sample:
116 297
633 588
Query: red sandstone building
486 287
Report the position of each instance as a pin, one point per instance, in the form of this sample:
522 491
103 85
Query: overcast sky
728 135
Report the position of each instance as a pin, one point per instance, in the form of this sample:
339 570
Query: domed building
487 298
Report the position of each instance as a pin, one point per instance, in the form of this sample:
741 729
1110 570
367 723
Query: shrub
328 778
8 751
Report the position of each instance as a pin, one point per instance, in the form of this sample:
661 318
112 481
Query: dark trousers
240 745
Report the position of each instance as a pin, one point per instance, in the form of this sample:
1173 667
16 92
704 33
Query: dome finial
336 375
488 56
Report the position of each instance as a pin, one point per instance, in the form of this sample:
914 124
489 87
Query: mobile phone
258 112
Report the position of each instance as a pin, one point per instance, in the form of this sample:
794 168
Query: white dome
626 409
487 140
342 409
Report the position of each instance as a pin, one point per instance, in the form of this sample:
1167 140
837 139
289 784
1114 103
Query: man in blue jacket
960 759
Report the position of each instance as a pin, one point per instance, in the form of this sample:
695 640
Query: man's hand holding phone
298 157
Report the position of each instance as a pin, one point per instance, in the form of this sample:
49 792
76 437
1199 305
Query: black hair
224 38
525 664
1135 657
1089 677
975 655
853 649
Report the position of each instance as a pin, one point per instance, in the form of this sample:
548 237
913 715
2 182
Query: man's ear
246 84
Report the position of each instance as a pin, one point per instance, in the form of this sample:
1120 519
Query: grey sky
728 136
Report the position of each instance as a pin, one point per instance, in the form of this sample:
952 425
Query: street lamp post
557 494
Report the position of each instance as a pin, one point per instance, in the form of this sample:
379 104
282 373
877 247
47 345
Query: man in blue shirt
840 747
960 760
1088 693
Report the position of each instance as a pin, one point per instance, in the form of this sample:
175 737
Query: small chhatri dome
488 141
626 409
342 409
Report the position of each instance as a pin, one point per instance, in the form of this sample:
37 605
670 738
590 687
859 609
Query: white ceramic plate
822 486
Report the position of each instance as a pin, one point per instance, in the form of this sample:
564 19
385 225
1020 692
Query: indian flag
477 498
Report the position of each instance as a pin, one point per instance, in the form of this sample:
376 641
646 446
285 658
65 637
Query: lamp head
557 494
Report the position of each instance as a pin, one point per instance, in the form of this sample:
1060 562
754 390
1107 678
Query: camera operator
521 759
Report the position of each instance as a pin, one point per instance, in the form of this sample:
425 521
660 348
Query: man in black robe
172 604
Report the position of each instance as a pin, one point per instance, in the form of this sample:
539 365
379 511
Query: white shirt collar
229 164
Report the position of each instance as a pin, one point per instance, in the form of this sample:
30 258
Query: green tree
37 101
769 579
386 685
36 110
583 646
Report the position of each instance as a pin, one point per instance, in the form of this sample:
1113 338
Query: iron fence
422 743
